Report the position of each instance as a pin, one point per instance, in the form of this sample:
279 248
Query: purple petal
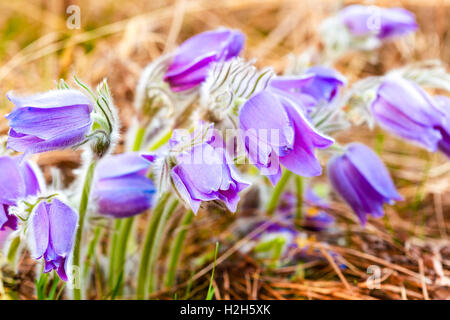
191 61
63 224
183 190
371 167
124 196
122 164
12 186
264 113
39 230
301 159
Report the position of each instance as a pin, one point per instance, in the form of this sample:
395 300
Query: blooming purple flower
51 230
193 57
48 121
204 171
405 109
382 22
275 131
444 143
318 84
360 177
122 188
18 180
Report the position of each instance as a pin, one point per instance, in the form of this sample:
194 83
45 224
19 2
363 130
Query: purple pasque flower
122 188
193 57
405 109
381 22
318 84
51 229
48 121
360 177
18 180
204 170
275 131
444 143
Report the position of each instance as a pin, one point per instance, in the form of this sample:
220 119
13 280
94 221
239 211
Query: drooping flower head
122 188
380 22
360 177
405 109
444 143
48 121
51 233
18 180
275 131
204 170
193 57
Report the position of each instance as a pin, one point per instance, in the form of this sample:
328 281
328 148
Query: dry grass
118 38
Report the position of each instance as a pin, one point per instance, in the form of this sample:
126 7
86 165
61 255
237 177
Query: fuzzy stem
113 253
78 291
91 251
299 207
148 244
277 191
156 248
175 251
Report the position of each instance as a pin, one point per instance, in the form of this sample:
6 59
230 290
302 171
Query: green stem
91 251
277 191
77 292
157 243
139 139
148 243
175 251
122 245
299 207
113 253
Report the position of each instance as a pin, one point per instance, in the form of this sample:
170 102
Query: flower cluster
280 130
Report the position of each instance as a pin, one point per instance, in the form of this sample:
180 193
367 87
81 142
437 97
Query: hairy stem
156 248
175 251
277 191
148 244
78 290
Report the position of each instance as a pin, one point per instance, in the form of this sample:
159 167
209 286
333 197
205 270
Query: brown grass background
118 38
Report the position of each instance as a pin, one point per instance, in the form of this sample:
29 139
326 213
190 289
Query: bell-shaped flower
51 232
275 131
405 109
444 143
379 22
18 180
204 171
193 57
362 180
48 121
122 188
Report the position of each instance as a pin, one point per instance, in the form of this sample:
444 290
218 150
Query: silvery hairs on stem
229 84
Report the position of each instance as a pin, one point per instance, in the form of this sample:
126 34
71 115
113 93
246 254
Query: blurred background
116 39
